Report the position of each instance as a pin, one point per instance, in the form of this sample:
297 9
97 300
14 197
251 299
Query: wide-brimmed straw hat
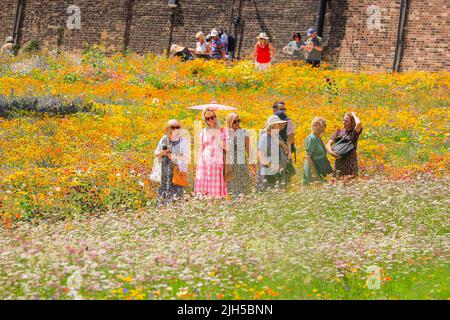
176 49
9 39
273 120
263 35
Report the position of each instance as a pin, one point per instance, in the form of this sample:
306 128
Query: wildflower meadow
77 207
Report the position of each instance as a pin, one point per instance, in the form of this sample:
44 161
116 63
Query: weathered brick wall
353 36
280 19
102 21
426 42
353 43
7 14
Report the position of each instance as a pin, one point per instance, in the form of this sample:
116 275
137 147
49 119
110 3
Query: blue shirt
217 47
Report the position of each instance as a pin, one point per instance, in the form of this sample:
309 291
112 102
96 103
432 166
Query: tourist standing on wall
263 52
224 37
314 48
296 48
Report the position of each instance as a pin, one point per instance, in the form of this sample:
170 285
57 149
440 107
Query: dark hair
281 115
276 104
297 35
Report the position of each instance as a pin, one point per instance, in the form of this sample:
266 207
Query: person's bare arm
358 123
272 50
262 159
329 148
161 153
247 145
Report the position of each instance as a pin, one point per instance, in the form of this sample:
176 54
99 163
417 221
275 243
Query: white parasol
213 106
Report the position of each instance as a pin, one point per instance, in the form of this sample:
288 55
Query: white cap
263 35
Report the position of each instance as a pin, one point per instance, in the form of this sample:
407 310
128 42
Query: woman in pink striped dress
209 178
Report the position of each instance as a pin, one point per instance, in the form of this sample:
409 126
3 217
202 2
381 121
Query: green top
316 149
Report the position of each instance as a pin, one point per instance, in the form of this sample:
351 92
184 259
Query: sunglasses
210 118
175 127
237 121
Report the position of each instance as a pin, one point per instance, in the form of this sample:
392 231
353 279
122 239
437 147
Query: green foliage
93 56
13 107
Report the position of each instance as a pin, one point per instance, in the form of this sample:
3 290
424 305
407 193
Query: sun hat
9 39
176 49
263 35
214 33
311 31
273 120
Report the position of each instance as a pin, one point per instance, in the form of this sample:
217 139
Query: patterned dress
347 165
241 182
209 179
168 192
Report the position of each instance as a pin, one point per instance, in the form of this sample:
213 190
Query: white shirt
201 48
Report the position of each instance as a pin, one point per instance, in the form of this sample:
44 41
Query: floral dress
209 178
347 165
168 192
241 182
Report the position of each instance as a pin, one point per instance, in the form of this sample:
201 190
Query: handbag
179 178
155 176
343 147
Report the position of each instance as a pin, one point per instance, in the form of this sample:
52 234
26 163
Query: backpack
231 43
185 55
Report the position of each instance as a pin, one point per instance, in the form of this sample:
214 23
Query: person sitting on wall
183 52
8 47
314 48
217 46
202 48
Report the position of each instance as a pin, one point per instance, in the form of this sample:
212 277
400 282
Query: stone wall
357 34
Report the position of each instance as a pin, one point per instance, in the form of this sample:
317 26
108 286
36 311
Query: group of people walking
223 167
220 46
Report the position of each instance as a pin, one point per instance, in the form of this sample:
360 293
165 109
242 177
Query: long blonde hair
230 119
218 125
200 35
